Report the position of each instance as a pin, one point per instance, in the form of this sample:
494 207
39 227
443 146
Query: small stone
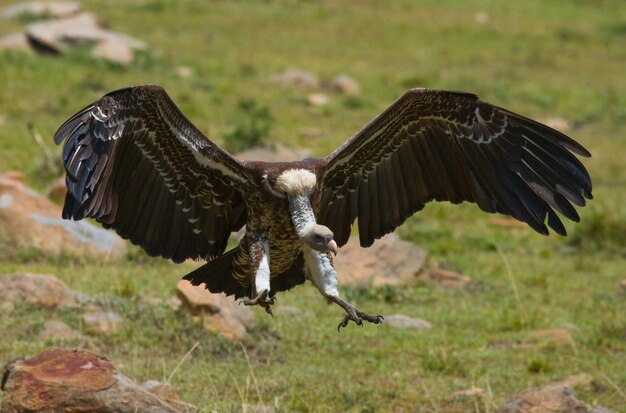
622 286
103 321
468 393
41 9
184 72
507 223
297 77
346 85
42 290
318 99
558 336
58 330
113 51
220 314
447 278
481 17
403 321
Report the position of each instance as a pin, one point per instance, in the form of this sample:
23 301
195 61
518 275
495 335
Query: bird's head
320 238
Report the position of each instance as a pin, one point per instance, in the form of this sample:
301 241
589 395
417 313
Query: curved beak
332 246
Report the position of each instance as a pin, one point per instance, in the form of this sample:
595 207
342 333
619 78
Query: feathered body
136 164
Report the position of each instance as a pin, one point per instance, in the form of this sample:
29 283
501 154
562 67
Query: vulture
136 164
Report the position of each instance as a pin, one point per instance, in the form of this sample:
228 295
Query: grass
543 59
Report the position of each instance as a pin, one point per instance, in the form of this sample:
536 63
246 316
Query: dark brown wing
136 164
450 146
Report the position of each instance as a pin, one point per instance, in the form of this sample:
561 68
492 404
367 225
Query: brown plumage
135 163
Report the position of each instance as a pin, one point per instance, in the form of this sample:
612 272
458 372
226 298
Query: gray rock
296 77
403 321
41 290
390 261
103 321
59 35
114 51
35 221
346 85
553 398
56 9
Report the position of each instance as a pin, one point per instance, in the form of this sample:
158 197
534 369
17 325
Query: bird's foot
354 314
263 299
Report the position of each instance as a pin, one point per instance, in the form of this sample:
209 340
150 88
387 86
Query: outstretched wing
136 164
450 146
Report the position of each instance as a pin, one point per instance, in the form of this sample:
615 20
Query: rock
390 261
56 9
164 391
58 330
103 321
552 398
481 17
317 99
557 123
278 153
346 85
507 223
622 286
403 321
184 72
297 77
220 314
558 336
57 190
57 36
35 221
447 278
41 290
74 381
15 41
468 393
114 51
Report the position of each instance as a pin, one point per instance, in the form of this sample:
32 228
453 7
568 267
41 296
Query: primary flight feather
135 163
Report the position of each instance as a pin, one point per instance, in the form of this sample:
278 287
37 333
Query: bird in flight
136 164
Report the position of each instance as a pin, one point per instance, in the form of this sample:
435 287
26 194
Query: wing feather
450 146
136 164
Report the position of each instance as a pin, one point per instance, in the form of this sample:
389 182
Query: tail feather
217 275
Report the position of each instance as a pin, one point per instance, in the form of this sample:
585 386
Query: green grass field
545 59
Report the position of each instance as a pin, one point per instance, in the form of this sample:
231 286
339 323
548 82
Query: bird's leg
321 272
260 270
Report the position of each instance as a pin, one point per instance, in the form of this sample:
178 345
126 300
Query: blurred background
297 78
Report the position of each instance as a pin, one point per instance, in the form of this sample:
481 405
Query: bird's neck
301 214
